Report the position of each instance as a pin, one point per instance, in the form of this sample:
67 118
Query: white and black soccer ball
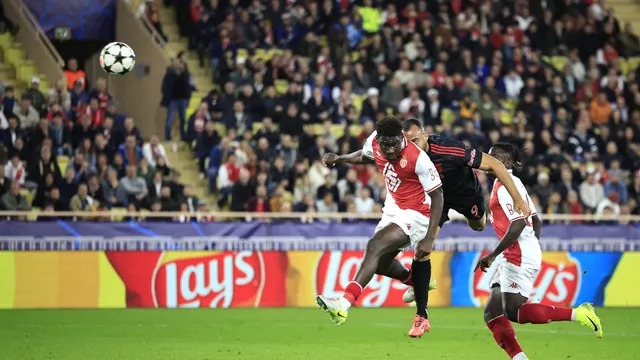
117 58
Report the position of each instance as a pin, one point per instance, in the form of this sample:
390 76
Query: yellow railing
220 215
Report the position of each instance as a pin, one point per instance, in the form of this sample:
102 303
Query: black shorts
470 204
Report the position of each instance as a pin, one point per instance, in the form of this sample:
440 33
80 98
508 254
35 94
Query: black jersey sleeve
456 151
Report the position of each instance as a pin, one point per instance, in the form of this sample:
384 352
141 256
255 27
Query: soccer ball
117 58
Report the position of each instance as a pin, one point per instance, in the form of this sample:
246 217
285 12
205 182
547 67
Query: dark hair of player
390 126
508 154
408 123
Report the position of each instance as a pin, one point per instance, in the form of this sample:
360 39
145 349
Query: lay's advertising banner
156 279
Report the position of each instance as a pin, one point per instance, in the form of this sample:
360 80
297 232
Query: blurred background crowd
297 79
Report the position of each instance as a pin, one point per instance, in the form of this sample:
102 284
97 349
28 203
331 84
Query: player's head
390 138
508 154
414 131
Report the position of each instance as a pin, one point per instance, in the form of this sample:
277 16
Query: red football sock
352 292
542 314
505 335
408 280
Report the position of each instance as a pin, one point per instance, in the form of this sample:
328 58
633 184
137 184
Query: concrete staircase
183 159
15 69
626 11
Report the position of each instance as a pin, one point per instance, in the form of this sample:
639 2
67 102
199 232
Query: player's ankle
573 315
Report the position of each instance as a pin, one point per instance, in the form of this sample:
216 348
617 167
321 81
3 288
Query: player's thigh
516 286
493 307
388 238
386 260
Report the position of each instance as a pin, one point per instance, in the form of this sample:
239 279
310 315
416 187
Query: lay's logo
557 283
208 279
336 269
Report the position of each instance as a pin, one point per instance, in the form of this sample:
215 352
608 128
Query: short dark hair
389 126
509 154
408 123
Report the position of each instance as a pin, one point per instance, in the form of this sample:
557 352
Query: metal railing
25 13
248 216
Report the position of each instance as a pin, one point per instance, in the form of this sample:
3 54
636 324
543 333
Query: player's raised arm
360 157
430 180
489 163
355 158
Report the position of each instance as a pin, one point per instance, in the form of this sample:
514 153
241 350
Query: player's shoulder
441 140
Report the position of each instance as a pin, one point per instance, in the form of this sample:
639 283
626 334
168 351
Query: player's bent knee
476 225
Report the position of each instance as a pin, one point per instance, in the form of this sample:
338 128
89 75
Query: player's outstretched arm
537 225
489 163
355 158
512 235
425 247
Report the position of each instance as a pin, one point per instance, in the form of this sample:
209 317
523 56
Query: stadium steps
184 162
15 69
626 11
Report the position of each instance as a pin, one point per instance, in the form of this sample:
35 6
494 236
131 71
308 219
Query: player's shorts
470 204
514 279
413 223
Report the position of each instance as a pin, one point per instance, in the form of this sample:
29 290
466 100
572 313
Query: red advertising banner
209 279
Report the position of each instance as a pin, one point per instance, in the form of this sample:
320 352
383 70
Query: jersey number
512 211
391 178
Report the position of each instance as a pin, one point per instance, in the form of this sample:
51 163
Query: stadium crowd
71 149
298 79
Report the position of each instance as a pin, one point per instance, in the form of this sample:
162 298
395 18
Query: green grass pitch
297 334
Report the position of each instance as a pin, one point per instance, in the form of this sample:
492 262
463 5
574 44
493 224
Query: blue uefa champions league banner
88 20
565 278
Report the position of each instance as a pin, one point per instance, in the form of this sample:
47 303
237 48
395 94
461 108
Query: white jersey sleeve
427 173
506 202
367 149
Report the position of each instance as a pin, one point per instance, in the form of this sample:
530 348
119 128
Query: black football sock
421 275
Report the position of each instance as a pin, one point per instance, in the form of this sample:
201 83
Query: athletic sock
421 275
352 292
505 336
543 314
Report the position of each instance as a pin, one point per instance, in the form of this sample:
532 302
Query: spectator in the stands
591 191
37 170
14 201
74 74
167 201
153 150
60 136
155 185
5 182
26 113
81 201
59 95
38 101
197 122
241 190
176 92
81 130
130 151
114 193
15 170
134 186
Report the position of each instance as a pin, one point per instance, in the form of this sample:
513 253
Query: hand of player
485 263
522 207
423 248
330 159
